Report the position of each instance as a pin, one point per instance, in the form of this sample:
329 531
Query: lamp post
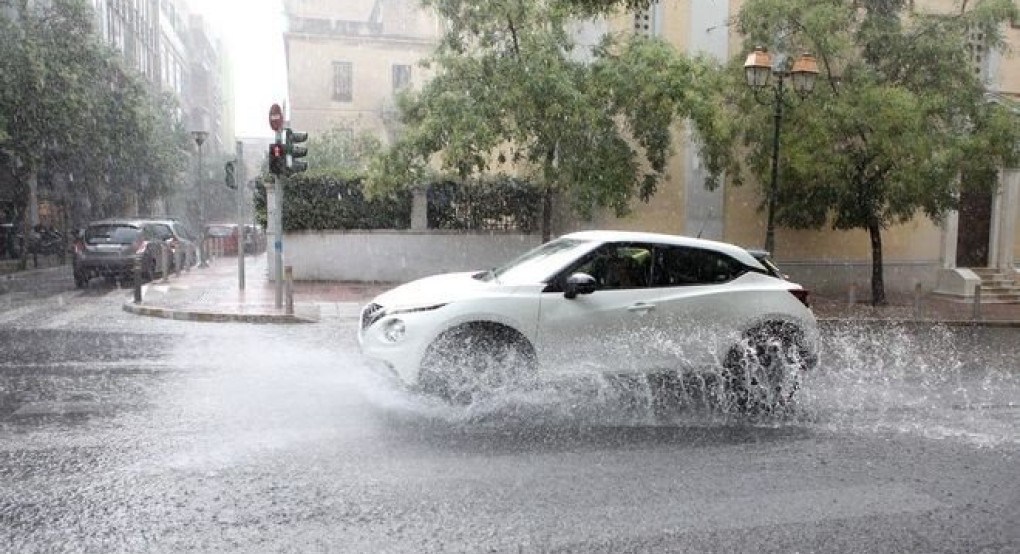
758 68
200 137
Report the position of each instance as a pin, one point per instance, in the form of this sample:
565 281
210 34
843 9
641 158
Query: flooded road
148 435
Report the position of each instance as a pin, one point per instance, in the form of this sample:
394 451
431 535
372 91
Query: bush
320 203
324 202
504 204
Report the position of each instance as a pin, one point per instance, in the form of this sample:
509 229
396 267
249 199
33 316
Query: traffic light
229 178
294 152
277 159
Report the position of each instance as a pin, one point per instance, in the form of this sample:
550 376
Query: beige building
347 59
338 52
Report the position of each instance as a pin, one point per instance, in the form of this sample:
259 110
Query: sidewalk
211 294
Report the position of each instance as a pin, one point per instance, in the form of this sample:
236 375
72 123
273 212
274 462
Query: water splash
933 381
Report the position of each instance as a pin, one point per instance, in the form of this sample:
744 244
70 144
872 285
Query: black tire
80 280
762 373
473 362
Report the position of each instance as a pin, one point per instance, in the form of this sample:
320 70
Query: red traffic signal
277 159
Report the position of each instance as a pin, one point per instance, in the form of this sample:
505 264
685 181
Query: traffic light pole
240 181
278 242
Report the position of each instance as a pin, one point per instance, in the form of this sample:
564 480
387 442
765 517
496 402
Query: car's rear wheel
475 361
763 371
81 279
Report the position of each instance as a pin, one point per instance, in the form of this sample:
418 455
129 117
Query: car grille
370 314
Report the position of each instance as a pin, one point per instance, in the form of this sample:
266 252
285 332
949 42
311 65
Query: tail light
140 245
802 295
79 247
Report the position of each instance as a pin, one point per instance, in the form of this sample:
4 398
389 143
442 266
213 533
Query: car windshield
111 234
538 265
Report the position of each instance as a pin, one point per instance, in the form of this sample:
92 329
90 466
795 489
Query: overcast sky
252 31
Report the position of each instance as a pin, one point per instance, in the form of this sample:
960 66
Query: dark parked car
180 239
109 248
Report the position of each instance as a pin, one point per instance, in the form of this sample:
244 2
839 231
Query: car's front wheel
763 371
475 361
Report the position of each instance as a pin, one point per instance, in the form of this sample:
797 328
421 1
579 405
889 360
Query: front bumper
401 359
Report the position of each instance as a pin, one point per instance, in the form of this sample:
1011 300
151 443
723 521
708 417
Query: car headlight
394 330
412 309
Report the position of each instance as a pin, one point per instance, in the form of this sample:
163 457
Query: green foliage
340 153
69 106
314 203
500 204
317 202
896 117
512 92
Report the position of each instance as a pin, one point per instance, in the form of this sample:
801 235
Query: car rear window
111 234
220 231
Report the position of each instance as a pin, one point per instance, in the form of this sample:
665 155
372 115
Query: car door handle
641 308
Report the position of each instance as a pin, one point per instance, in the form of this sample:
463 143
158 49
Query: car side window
619 266
676 266
162 231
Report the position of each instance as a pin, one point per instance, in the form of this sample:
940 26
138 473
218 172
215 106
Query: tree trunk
547 214
877 283
33 196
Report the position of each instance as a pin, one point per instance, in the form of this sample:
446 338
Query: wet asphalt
120 433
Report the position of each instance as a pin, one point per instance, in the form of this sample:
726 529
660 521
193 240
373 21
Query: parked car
183 244
222 237
599 302
108 248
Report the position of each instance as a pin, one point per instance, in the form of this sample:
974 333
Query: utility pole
240 179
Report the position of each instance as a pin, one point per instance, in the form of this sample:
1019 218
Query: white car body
654 327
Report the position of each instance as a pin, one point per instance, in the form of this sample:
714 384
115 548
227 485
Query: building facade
178 53
346 58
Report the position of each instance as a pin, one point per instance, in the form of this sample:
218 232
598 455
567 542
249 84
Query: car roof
119 221
732 250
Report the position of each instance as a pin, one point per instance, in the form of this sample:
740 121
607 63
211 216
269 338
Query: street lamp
758 68
200 137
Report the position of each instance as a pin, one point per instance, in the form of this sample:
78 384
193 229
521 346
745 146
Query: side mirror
579 283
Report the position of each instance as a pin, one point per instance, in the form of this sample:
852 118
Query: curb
212 317
921 322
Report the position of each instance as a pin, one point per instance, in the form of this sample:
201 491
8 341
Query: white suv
600 301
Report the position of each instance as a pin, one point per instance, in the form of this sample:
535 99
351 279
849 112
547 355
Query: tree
69 105
513 90
897 117
340 153
43 84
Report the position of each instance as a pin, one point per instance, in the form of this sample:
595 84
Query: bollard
976 316
138 279
288 276
851 295
164 261
917 300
